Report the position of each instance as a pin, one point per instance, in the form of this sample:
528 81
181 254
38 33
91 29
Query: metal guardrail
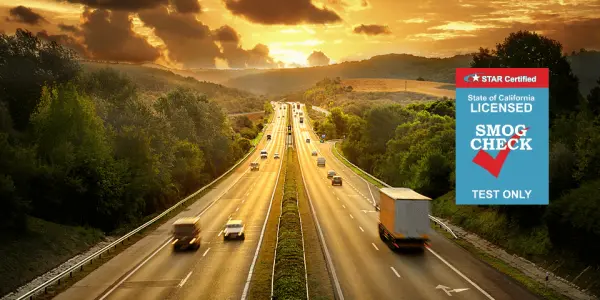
98 254
432 218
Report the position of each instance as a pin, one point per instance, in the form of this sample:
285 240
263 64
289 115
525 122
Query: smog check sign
502 136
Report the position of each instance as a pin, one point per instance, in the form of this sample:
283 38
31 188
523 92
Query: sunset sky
278 33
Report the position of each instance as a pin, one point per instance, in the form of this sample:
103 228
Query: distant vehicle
330 173
314 153
336 180
254 166
321 161
187 234
276 155
301 119
234 229
308 140
298 105
322 141
263 154
268 137
404 218
301 113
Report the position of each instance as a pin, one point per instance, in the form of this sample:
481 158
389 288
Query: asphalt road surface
365 267
150 269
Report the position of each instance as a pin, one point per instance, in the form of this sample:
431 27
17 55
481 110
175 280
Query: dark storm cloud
289 12
188 40
318 58
25 15
226 34
65 40
236 56
372 29
187 6
110 36
124 5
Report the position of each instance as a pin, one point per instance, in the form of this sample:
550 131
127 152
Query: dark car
337 180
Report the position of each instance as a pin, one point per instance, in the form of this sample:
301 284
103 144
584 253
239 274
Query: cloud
318 58
187 6
226 34
69 28
110 36
122 5
25 15
188 41
372 29
66 41
288 12
237 57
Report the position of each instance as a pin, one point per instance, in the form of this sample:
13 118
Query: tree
525 49
26 65
593 100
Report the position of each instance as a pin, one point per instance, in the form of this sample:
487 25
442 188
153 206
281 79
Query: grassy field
44 247
437 89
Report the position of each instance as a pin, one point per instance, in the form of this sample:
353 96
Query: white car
276 155
263 154
234 229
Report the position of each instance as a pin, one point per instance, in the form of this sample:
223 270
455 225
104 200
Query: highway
364 266
149 269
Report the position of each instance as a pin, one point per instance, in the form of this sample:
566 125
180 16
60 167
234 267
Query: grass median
289 281
260 287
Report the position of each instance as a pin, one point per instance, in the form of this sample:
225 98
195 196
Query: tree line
84 148
414 146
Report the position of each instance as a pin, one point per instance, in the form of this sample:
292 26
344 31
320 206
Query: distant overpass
321 110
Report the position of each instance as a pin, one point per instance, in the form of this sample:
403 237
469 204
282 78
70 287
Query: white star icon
475 77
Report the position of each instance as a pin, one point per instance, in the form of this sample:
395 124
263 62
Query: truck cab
187 234
404 218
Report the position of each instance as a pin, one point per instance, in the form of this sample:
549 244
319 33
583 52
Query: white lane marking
344 206
395 272
183 281
247 194
205 252
251 271
237 209
351 216
136 268
461 275
221 232
374 246
243 200
361 229
337 198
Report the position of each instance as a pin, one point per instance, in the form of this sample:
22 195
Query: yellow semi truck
403 218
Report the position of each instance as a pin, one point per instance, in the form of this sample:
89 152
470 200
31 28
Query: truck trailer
404 218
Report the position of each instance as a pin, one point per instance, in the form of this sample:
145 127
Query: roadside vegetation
289 281
88 150
414 146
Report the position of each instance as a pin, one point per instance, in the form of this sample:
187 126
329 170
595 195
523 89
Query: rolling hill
156 80
390 66
403 66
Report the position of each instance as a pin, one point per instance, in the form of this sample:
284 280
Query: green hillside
154 82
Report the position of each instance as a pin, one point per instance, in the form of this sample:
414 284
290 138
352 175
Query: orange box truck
403 218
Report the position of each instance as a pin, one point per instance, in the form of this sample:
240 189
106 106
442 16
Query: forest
86 148
414 146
